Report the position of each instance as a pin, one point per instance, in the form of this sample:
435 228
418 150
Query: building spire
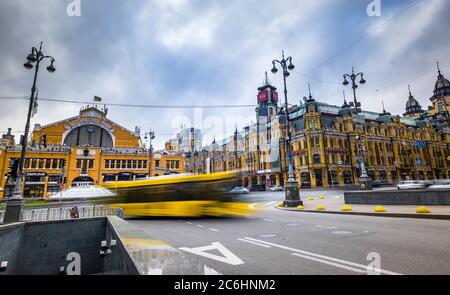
309 89
440 76
409 89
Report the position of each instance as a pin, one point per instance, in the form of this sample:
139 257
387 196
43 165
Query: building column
389 176
45 187
340 177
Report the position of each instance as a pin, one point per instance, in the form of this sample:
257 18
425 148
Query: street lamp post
364 180
15 203
292 194
151 136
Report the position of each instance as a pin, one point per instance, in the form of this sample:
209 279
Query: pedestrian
74 212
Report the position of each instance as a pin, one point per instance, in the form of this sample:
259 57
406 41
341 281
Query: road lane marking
342 232
330 263
199 225
322 256
268 219
189 222
252 206
254 243
228 257
213 229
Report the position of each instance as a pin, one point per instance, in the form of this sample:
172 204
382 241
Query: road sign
228 256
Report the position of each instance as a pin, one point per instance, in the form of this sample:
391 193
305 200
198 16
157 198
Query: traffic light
44 140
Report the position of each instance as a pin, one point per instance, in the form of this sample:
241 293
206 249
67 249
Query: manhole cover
341 232
268 236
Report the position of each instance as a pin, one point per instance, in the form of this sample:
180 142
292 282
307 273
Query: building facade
329 141
87 148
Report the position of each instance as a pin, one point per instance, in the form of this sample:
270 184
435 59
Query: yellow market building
87 148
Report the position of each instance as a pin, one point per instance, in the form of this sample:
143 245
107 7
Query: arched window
89 135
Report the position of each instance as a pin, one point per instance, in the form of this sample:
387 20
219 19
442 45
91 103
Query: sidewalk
334 204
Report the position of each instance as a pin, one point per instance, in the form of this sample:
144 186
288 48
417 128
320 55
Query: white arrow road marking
213 229
323 257
228 256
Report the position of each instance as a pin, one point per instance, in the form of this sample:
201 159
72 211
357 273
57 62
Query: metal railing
61 213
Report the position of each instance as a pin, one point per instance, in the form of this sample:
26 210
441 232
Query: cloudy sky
188 52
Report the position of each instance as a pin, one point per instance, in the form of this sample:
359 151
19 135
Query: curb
373 214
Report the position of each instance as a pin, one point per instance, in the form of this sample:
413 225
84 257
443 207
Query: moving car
440 184
276 188
411 184
240 190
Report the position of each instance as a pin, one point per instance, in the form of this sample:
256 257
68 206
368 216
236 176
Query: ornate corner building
328 142
87 148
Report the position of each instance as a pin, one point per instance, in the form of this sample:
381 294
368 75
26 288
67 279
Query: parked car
259 187
440 184
240 190
411 184
276 188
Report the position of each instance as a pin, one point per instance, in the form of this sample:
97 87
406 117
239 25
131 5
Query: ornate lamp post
151 136
14 205
292 194
364 180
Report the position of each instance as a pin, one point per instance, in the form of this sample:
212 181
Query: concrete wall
41 248
399 197
37 248
11 237
46 244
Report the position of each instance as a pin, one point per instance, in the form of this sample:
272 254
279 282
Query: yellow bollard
346 208
300 207
280 204
310 199
321 197
320 207
379 209
422 210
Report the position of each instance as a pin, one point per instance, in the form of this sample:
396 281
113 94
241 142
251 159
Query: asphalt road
282 242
